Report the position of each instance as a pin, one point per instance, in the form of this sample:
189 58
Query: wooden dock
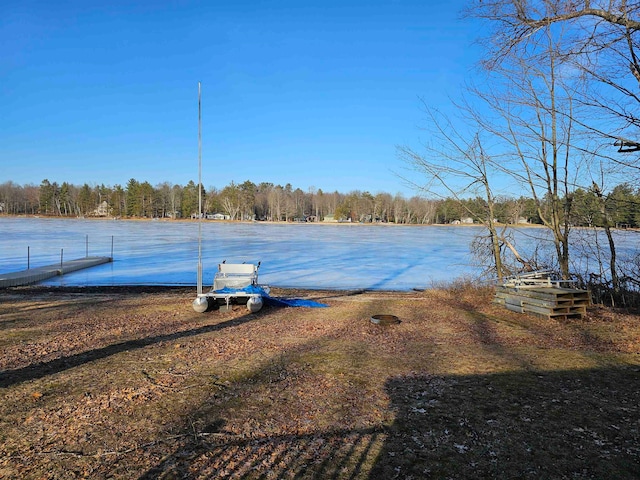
551 302
34 275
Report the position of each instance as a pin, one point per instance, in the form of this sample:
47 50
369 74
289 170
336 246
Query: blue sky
315 94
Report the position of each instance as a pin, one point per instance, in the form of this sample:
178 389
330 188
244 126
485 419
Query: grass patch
141 387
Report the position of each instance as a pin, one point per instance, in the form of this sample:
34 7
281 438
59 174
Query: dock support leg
227 307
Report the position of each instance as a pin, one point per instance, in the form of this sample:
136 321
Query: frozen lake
341 257
381 257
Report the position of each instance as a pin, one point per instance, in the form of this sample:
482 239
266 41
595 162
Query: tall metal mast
199 192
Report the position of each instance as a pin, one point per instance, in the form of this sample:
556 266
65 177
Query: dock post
112 248
61 258
28 258
87 246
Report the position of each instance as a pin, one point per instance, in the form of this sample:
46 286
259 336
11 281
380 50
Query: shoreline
271 222
191 289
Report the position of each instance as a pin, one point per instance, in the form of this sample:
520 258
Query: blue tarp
278 302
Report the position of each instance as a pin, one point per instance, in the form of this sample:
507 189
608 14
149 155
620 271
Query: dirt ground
132 383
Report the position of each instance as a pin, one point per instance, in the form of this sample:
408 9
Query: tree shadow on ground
323 455
537 425
42 369
566 424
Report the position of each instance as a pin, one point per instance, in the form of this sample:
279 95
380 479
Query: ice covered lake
382 257
343 257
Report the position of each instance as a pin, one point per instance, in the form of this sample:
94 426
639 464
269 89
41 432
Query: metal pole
87 246
112 248
61 257
199 191
28 258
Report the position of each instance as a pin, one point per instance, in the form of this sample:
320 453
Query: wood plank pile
549 301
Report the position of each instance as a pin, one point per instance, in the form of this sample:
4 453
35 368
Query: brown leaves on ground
134 384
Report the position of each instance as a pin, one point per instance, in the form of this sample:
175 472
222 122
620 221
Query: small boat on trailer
234 283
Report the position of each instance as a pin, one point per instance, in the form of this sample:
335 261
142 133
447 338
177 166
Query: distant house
218 216
466 220
523 220
329 219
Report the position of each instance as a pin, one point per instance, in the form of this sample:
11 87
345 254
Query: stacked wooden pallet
548 301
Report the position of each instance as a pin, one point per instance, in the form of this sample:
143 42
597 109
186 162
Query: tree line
266 201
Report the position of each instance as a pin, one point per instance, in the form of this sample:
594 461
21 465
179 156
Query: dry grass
134 384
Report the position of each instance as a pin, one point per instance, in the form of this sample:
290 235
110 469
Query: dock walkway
34 275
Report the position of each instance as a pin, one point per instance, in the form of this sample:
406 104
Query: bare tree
458 167
600 43
230 199
533 114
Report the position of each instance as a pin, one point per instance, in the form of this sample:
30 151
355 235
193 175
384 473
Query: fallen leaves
139 386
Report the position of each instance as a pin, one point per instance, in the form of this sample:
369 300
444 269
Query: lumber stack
551 302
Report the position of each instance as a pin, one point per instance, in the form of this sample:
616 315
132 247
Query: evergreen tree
133 206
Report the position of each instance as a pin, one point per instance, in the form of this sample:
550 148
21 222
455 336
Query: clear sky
311 93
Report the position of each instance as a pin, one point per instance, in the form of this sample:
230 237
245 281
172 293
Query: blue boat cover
278 302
